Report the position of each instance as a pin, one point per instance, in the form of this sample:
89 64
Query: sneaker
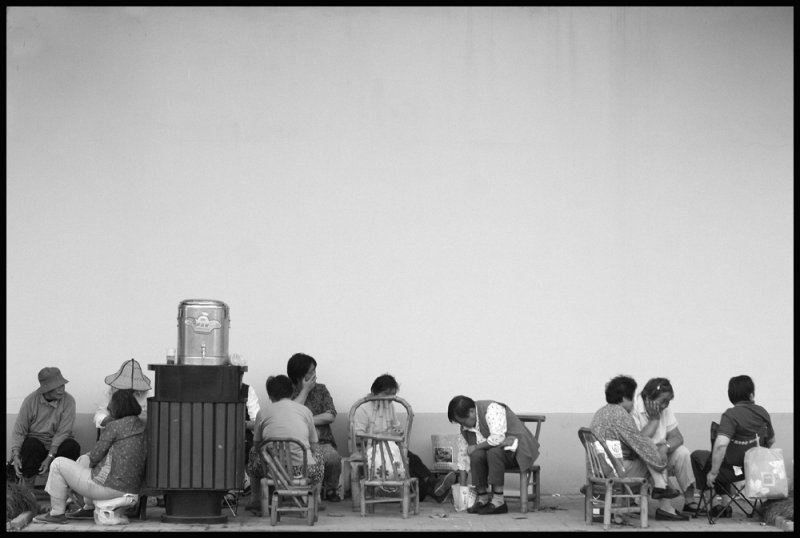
444 484
47 518
83 513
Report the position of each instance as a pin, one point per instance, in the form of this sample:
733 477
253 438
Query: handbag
463 496
765 474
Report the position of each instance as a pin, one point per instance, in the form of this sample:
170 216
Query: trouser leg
701 463
479 468
333 466
498 461
32 453
681 463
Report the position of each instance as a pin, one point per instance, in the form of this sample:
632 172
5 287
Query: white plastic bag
463 497
765 474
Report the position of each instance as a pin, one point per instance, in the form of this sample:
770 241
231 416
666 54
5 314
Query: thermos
203 326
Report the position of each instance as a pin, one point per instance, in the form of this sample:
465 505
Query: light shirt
287 418
666 421
496 420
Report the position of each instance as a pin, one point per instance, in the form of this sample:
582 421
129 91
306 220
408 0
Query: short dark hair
123 404
459 407
298 366
619 388
382 383
279 387
656 387
740 388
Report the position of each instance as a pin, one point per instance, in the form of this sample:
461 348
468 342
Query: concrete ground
558 514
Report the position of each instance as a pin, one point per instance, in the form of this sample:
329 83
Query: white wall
512 203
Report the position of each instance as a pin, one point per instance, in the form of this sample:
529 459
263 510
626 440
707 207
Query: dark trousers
701 464
33 452
418 470
488 466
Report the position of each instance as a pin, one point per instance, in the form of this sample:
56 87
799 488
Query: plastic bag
463 497
445 451
765 474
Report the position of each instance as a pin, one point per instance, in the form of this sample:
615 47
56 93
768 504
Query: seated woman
283 418
377 417
114 468
655 420
739 427
302 370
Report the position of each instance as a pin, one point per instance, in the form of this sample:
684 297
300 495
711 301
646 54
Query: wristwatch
53 456
668 447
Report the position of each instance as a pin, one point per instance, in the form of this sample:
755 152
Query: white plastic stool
112 511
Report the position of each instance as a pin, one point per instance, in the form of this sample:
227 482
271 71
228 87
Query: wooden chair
282 483
376 450
529 479
606 484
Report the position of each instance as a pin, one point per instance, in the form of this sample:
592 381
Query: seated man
737 433
492 440
640 457
43 430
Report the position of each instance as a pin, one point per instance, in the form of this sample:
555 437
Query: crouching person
110 476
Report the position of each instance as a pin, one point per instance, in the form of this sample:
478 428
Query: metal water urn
203 326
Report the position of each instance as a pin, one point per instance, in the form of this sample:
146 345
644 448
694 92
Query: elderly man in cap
43 430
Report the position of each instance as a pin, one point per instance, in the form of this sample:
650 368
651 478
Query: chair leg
607 510
644 508
523 490
363 495
587 504
264 497
142 507
537 489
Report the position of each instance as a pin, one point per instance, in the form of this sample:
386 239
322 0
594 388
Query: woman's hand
471 449
653 409
309 383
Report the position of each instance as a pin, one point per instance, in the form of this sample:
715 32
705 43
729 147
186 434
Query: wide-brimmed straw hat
129 376
50 378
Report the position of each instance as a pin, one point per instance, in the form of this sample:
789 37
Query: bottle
171 355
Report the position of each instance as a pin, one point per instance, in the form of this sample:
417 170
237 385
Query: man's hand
17 463
45 464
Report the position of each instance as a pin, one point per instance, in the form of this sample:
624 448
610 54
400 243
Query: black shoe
492 509
663 515
664 493
332 497
476 507
718 511
83 513
694 509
